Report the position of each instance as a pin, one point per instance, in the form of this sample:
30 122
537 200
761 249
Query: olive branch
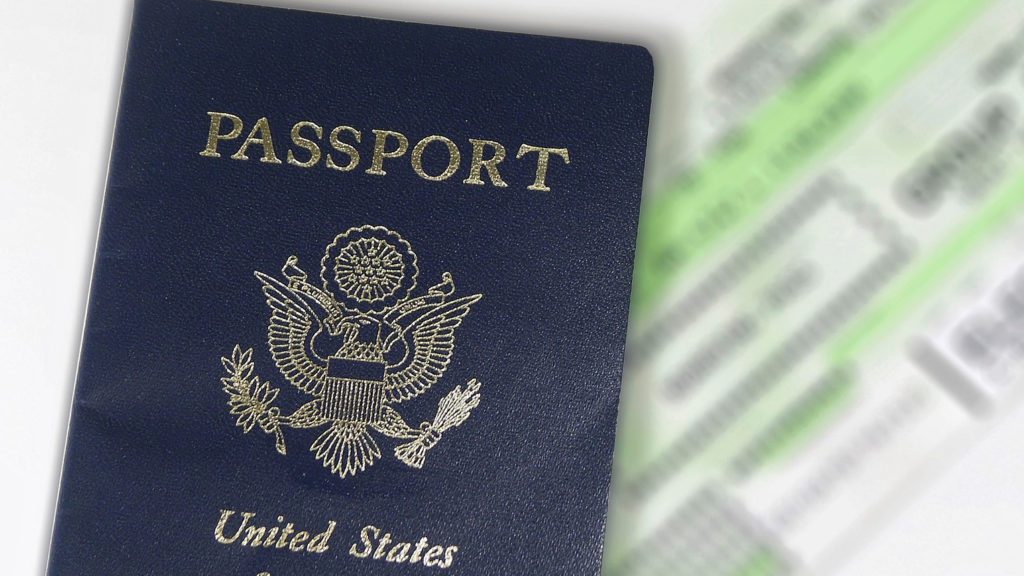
251 400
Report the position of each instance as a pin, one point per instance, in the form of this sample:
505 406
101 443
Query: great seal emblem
359 346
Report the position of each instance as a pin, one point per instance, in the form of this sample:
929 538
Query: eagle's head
360 337
361 328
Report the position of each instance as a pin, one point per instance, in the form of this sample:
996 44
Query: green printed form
931 273
714 200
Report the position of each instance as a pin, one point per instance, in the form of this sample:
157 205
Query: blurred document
830 299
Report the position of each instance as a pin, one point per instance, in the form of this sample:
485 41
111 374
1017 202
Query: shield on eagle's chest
353 391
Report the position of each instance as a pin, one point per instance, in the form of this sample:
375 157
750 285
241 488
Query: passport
359 300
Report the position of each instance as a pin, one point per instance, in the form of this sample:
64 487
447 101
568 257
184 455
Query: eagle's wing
428 355
292 324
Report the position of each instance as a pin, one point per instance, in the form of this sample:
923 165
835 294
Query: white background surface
60 63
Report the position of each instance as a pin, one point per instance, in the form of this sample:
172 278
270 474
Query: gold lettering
449 557
264 139
491 164
253 534
543 155
225 515
417 553
432 556
378 545
344 148
310 144
318 543
364 535
453 158
305 143
298 540
382 546
271 534
215 136
379 152
402 555
283 540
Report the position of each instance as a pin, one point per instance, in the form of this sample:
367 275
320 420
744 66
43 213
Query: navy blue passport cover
359 300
